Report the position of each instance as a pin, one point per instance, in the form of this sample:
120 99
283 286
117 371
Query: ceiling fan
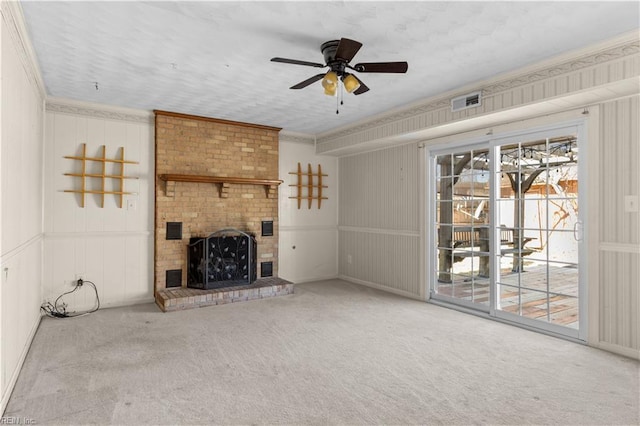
337 55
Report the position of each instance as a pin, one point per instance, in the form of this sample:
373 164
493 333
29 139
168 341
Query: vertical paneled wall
619 294
21 115
378 221
308 246
110 246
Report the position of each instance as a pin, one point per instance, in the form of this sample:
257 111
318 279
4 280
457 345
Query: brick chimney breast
200 146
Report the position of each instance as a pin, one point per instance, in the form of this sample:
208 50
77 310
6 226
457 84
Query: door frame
490 137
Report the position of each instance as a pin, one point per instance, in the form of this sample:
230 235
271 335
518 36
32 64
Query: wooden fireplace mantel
224 181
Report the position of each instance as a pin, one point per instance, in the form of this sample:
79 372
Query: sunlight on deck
525 294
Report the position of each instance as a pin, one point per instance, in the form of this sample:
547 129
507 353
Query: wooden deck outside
525 294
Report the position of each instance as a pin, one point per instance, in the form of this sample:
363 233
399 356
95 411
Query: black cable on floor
53 311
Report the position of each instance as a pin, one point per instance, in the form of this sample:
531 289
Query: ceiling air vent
466 101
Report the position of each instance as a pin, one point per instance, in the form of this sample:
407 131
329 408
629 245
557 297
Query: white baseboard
16 372
617 349
383 288
310 280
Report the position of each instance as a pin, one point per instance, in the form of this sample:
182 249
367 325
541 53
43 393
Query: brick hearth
175 299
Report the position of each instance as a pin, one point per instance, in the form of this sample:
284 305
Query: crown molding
13 18
623 46
215 120
304 138
597 58
69 106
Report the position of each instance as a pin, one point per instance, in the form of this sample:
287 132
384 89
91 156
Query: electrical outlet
349 259
79 276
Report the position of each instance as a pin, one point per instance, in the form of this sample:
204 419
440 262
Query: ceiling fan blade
307 82
347 49
396 67
362 89
297 62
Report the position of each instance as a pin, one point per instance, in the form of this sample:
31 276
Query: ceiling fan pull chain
339 98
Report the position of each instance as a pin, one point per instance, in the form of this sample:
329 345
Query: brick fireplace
212 174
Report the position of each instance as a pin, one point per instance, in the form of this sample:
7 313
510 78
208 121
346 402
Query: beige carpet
332 353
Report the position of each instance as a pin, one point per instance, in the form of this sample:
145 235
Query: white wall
313 232
111 246
617 255
21 112
379 220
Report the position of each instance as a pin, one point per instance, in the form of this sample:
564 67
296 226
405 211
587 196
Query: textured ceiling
212 58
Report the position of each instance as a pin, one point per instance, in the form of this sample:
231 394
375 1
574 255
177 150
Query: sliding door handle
578 231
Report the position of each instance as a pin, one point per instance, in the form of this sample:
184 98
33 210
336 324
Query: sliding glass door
537 267
462 226
507 228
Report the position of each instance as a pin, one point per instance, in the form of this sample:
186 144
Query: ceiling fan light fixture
330 83
330 91
337 56
350 83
